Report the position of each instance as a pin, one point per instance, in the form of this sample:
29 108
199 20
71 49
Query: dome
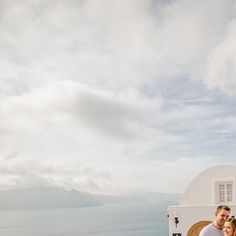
202 189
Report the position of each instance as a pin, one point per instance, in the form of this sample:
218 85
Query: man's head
222 214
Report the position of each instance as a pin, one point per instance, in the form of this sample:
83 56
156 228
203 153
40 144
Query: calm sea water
139 219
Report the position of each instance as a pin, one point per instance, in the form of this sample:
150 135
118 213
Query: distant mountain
44 197
166 198
54 197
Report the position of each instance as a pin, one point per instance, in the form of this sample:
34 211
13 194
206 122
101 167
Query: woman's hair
232 222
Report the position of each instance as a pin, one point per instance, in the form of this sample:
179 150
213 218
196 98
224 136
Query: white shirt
211 230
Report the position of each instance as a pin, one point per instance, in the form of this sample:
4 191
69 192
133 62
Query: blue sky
115 97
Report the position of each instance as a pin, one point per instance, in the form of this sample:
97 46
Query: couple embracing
223 225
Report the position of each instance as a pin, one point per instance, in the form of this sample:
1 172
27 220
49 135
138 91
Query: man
216 227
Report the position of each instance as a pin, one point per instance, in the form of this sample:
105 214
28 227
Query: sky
114 97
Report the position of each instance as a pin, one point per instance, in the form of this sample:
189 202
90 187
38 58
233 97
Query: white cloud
110 88
222 63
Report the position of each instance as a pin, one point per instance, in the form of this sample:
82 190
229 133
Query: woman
230 227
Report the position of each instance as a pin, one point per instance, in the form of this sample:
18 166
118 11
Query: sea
127 219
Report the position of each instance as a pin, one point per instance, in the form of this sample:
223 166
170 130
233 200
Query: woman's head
230 227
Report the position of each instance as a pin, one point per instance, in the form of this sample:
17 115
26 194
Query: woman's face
228 229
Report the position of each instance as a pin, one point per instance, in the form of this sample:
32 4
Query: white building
212 187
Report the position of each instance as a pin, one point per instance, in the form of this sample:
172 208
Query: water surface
133 219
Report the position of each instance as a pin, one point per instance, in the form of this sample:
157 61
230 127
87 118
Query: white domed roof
202 189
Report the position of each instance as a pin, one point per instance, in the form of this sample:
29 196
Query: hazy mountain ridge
53 197
45 197
168 198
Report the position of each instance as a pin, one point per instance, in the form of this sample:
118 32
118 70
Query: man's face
221 217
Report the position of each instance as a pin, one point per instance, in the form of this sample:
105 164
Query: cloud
120 44
61 172
222 63
68 119
121 89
